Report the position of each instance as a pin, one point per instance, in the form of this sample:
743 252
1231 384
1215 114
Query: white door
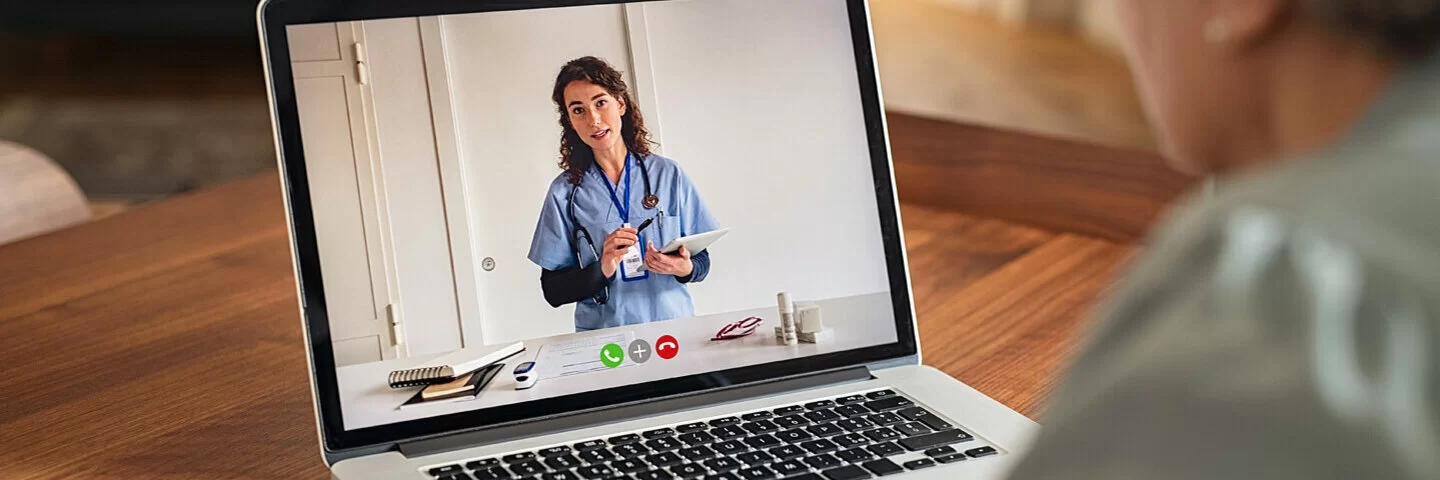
501 69
343 190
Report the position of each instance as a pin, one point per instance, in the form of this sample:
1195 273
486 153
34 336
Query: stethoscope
649 202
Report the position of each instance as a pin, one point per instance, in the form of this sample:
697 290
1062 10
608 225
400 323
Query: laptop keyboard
856 436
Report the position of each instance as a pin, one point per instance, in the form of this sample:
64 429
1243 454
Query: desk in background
858 321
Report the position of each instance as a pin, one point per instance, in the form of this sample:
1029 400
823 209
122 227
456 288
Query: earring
1217 30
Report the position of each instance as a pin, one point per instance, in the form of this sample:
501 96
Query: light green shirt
1287 328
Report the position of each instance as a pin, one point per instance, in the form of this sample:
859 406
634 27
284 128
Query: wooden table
166 342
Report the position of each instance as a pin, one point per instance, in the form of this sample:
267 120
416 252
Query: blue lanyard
624 208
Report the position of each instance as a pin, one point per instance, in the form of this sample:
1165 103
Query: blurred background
137 100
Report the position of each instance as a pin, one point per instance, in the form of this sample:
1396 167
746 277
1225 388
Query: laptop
445 163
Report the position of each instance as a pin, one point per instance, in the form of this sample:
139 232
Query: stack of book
458 376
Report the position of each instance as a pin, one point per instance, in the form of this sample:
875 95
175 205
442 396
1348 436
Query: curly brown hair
575 156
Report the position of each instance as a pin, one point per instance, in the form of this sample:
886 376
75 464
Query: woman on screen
613 206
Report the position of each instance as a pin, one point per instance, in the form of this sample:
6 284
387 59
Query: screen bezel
275 15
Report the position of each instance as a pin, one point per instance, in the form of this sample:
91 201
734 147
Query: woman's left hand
677 264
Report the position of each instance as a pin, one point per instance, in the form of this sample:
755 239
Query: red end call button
666 347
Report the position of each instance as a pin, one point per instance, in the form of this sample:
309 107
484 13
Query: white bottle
787 318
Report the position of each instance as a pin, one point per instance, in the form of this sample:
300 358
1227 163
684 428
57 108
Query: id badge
633 263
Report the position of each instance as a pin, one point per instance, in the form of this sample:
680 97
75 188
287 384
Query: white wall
759 103
409 169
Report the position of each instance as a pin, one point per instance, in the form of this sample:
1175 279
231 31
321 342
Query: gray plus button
639 351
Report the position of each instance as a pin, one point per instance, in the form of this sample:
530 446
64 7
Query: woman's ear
624 107
1248 22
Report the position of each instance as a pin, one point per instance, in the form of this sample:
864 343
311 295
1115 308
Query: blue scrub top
681 212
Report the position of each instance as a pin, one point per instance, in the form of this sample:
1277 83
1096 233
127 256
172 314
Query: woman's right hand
616 244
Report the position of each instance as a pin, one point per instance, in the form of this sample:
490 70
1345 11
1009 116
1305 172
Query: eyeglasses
739 329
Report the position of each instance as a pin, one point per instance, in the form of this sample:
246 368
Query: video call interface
519 205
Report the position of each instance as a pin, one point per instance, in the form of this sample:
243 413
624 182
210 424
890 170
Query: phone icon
666 347
611 355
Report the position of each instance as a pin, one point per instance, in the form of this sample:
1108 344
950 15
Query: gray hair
1404 28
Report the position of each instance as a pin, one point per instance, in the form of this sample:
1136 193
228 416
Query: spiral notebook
460 362
470 389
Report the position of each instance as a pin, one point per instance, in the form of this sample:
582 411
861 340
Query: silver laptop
478 192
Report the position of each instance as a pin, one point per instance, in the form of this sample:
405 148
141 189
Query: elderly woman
1287 326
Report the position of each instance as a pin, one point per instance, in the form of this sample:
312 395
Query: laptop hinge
650 408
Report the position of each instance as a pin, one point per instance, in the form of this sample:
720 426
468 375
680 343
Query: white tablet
695 243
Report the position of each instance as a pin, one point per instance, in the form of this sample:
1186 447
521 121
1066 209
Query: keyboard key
624 439
938 451
595 471
518 457
821 416
722 476
936 439
722 464
664 459
788 467
553 451
851 410
654 475
924 416
853 424
849 399
565 475
790 410
446 470
630 450
696 438
756 473
825 430
791 421
492 473
851 440
787 452
724 422
885 449
457 476
762 441
855 455
951 458
820 404
822 461
753 416
881 434
981 452
794 436
659 432
691 427
729 448
597 456
882 467
919 464
662 444
563 462
728 432
483 464
889 403
754 458
630 465
696 454
848 472
884 418
880 394
760 426
820 446
688 470
528 468
588 445
911 429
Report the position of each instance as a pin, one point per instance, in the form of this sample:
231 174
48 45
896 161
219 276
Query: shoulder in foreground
662 165
559 187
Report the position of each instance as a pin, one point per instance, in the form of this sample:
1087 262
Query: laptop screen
630 193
